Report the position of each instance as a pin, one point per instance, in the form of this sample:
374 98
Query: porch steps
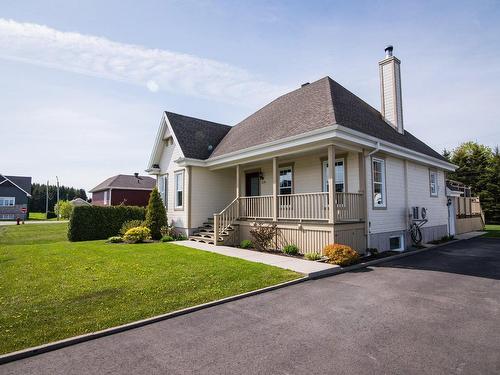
205 233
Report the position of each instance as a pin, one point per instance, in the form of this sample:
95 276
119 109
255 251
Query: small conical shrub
156 217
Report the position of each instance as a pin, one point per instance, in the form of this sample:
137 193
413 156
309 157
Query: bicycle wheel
416 234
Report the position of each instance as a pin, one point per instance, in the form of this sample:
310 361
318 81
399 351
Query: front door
252 184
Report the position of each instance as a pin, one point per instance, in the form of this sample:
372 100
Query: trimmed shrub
137 235
167 238
342 255
246 244
88 223
291 250
181 237
131 224
156 217
51 215
115 239
63 209
312 256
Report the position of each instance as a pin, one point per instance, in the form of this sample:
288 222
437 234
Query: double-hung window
7 201
339 176
179 189
286 180
433 185
163 189
378 173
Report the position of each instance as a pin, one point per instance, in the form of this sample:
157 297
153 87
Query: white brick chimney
390 90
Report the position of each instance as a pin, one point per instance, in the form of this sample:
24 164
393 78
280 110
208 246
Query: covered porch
293 190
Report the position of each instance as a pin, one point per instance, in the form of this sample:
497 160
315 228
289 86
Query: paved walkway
307 267
432 313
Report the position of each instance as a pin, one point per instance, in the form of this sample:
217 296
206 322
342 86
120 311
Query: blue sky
83 84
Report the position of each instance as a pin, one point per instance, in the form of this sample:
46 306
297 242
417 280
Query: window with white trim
433 183
7 201
286 180
179 189
339 176
378 176
163 189
396 243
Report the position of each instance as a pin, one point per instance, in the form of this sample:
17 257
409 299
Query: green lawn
38 216
51 289
492 231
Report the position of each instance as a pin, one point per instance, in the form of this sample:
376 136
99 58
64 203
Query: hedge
98 223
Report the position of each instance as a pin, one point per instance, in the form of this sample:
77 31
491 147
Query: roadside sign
24 210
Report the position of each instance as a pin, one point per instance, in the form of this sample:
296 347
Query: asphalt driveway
437 312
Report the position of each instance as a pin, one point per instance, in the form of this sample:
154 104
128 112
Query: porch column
238 190
331 185
275 189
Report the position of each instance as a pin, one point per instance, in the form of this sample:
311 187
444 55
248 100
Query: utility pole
47 200
58 213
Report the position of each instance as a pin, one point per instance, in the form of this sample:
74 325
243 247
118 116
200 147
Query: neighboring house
79 202
132 190
14 194
279 164
464 210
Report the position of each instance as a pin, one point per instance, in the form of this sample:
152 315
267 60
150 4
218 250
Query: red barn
131 190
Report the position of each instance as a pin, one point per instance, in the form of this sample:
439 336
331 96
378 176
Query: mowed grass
56 289
492 231
38 216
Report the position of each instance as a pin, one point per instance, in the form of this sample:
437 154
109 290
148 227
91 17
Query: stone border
30 352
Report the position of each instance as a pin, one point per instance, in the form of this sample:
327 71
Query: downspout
367 186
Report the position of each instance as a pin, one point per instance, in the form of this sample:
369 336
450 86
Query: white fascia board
165 128
391 148
328 134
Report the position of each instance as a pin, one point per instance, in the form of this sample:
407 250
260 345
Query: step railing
224 219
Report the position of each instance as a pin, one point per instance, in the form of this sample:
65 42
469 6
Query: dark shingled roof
127 182
197 138
317 105
21 181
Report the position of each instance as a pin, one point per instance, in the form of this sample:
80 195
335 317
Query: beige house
288 161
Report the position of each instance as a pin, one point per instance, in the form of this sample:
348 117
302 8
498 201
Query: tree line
479 168
39 194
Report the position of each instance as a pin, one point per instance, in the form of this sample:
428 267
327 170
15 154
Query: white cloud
155 69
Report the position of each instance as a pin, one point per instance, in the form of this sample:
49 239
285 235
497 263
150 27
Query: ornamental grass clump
312 256
246 244
137 235
342 255
291 249
115 239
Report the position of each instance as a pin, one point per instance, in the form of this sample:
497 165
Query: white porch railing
306 206
349 207
259 207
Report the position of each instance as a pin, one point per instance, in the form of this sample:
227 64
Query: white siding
211 191
169 166
419 194
393 218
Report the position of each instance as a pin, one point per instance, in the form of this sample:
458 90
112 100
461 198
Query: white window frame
11 200
282 169
178 177
401 242
433 185
163 188
337 180
382 183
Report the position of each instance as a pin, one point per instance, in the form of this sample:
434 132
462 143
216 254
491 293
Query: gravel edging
30 352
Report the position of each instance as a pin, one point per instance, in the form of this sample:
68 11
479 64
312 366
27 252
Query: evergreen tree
156 217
